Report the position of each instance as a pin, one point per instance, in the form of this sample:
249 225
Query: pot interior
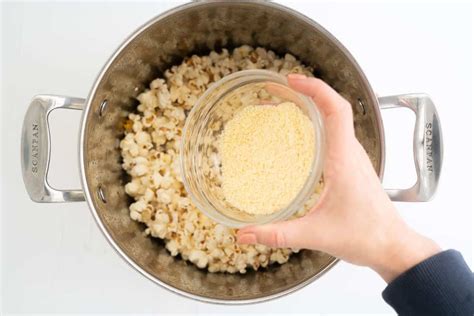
197 29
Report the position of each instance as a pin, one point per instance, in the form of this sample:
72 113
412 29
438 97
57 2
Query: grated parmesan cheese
267 152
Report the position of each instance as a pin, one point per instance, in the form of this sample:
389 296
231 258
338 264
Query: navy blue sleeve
440 285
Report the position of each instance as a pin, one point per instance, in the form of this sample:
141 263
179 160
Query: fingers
293 234
327 99
337 112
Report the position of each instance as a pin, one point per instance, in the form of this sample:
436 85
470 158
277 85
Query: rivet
101 194
361 106
103 107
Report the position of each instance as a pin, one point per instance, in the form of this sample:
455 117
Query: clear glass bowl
200 161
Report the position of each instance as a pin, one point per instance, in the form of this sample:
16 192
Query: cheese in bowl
252 149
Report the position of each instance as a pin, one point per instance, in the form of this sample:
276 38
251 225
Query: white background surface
54 258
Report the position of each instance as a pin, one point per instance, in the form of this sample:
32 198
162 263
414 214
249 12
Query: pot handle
35 149
427 146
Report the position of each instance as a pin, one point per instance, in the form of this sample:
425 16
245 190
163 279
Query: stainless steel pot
164 41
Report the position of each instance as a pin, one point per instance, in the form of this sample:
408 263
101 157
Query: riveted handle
36 151
427 146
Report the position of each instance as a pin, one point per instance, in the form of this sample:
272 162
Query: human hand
354 219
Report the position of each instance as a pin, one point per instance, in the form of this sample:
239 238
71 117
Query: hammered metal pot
198 28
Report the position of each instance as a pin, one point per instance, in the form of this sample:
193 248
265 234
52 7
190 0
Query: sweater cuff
441 284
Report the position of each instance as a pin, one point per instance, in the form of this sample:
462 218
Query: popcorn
158 230
142 138
199 258
137 126
139 170
149 195
147 100
135 216
162 181
172 247
138 206
132 188
150 152
164 196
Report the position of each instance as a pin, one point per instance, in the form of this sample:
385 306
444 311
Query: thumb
296 233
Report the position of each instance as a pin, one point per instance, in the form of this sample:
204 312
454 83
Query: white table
54 258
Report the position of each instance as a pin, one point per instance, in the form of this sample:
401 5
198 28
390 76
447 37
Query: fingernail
247 238
296 76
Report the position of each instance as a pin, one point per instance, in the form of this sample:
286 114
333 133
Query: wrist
403 249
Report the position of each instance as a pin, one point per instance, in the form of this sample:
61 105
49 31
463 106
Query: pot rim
82 157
